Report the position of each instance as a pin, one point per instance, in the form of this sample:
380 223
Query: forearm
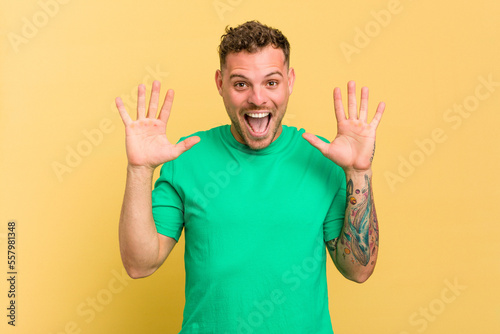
355 251
139 243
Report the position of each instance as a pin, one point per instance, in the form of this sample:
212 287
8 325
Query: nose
257 96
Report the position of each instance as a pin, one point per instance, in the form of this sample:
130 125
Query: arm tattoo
332 245
360 237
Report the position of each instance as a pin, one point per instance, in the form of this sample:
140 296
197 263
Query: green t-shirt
255 222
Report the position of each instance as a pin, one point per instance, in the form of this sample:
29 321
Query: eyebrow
244 77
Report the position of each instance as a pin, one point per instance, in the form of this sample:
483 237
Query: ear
218 81
291 80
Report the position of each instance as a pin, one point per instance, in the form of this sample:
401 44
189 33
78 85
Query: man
257 200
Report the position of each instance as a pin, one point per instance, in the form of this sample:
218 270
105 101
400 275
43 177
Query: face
255 88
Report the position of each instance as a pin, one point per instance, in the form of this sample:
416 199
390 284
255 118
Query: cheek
236 100
280 98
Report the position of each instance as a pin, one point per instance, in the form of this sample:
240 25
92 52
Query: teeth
258 115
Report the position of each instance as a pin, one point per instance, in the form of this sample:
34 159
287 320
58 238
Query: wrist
140 171
353 173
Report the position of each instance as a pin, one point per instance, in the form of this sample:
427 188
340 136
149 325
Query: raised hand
354 146
146 140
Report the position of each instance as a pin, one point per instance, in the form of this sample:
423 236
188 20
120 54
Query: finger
167 105
153 102
351 102
185 145
141 101
337 103
378 114
123 112
363 107
316 142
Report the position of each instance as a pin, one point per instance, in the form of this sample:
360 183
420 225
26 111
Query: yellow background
436 195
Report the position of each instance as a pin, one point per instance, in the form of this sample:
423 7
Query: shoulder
295 135
205 151
210 134
213 143
298 132
308 153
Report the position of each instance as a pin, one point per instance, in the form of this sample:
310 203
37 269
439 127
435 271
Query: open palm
354 145
146 140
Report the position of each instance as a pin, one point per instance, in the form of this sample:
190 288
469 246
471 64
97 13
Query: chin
252 141
258 144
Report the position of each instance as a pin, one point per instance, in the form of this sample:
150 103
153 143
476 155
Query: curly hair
252 36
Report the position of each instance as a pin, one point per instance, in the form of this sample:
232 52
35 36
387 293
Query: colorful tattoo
361 237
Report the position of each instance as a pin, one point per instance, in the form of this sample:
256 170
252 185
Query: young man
257 200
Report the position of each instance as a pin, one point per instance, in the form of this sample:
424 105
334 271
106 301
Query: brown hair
251 36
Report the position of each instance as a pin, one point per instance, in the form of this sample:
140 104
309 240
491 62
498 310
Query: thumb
316 142
185 145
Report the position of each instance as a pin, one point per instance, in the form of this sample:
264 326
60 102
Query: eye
272 83
240 85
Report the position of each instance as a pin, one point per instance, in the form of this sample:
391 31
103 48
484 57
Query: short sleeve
335 217
168 209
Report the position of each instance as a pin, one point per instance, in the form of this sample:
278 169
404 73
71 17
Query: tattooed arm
355 251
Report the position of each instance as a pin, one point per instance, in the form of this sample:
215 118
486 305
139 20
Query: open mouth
258 123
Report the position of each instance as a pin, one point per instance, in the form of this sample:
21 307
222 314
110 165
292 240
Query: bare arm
355 251
142 248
